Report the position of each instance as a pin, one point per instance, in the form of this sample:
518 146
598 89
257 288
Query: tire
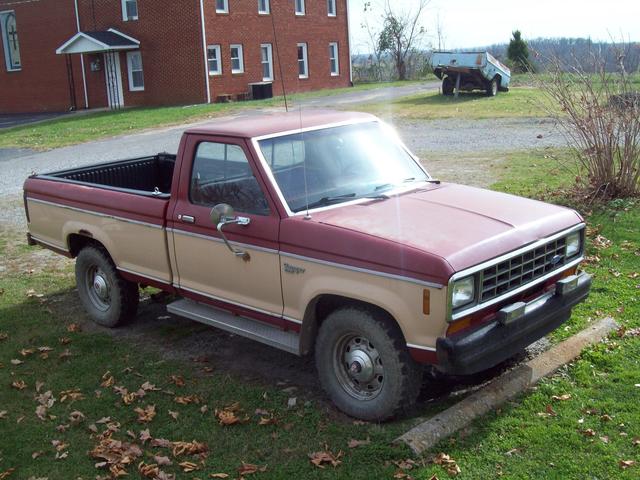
447 86
109 299
493 87
388 380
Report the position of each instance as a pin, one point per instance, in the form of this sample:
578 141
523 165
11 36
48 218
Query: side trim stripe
420 347
219 240
363 270
144 275
91 212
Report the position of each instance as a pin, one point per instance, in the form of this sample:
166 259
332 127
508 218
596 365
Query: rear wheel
447 86
109 299
492 88
364 365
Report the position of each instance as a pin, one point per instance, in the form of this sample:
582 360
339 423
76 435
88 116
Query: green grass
518 102
519 440
74 129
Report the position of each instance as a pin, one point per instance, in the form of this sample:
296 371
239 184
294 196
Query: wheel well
498 79
320 307
77 241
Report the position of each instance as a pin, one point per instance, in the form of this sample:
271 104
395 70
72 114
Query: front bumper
494 342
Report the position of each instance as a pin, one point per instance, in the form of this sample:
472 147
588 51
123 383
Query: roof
252 126
98 41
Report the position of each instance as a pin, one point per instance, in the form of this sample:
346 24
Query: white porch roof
101 41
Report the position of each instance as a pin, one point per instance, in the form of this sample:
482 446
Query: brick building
75 54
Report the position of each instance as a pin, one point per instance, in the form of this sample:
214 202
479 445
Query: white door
113 76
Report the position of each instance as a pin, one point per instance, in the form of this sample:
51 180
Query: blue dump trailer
469 71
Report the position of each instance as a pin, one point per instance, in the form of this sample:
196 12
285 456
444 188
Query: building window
331 8
129 10
136 76
299 7
222 6
214 60
237 60
303 61
333 59
267 62
263 7
10 42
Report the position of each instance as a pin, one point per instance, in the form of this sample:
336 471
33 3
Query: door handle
187 218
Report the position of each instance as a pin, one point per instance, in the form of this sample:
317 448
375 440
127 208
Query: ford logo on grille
556 260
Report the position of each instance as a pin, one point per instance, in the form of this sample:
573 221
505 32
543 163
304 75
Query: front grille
522 269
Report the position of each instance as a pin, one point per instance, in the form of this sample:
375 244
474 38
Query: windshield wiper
324 201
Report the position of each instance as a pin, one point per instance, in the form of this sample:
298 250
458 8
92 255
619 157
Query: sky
476 23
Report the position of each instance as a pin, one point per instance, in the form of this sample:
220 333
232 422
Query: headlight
463 292
573 244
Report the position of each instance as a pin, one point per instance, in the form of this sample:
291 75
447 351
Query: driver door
221 172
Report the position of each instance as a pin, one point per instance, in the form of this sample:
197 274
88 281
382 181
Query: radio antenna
275 40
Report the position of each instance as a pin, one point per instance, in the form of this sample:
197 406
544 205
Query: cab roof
251 126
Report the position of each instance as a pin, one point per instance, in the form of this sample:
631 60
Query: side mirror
222 213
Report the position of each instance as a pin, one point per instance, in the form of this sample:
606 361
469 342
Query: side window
221 174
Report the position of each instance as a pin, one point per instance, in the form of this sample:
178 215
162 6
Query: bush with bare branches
600 114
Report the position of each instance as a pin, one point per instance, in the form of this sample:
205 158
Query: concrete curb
503 388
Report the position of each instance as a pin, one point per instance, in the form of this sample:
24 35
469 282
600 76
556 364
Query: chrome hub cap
358 367
98 288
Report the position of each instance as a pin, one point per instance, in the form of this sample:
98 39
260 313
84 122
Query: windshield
339 164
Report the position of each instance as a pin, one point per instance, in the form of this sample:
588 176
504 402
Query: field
73 397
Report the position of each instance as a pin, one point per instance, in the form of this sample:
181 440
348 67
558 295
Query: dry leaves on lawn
448 463
72 395
6 473
148 470
250 469
187 400
227 415
188 467
147 414
358 443
107 380
218 475
115 455
74 327
561 398
189 448
177 380
15 361
321 459
173 415
19 384
624 464
588 432
3 336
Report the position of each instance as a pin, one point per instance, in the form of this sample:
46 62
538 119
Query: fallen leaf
64 340
19 385
6 473
321 459
173 415
72 395
218 475
15 361
145 415
561 398
145 436
25 352
588 432
162 461
189 448
3 336
271 420
76 417
149 470
358 443
187 400
65 354
250 469
177 380
188 467
635 442
606 418
604 439
624 464
41 412
3 414
107 380
74 327
149 387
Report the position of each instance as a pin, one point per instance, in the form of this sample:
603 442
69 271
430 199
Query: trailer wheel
364 365
109 299
447 86
492 88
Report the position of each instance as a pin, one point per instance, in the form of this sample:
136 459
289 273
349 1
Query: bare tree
372 39
440 33
600 114
401 33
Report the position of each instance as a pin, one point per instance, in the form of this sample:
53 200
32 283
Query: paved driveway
13 120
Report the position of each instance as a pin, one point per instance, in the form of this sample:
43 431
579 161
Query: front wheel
492 88
447 86
109 299
364 365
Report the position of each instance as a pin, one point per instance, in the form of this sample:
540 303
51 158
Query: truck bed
145 175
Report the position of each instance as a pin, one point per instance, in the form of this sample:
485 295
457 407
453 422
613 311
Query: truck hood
463 225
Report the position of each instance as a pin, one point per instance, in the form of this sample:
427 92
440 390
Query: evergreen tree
518 53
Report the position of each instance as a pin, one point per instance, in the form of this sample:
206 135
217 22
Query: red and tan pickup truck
318 233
